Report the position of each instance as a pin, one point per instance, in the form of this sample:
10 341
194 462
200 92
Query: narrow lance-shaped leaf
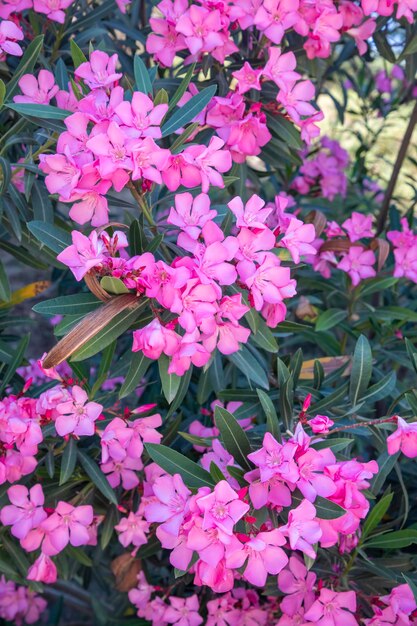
361 370
173 462
233 436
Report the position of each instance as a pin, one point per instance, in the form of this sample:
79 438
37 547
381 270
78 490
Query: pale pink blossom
38 90
100 70
84 254
358 226
183 611
358 263
404 439
132 530
9 35
263 555
333 608
25 511
77 415
222 508
43 570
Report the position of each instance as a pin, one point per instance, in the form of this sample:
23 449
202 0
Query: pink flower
268 283
358 226
164 42
141 117
155 339
191 214
25 511
333 609
62 172
183 611
274 17
263 555
14 6
361 33
9 34
302 528
100 70
297 583
358 264
321 424
252 214
312 481
295 99
200 28
171 505
53 9
211 161
298 238
247 78
43 570
404 439
77 415
38 90
280 68
132 530
406 262
84 253
68 524
222 508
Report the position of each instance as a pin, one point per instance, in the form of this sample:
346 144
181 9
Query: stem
143 205
382 217
366 424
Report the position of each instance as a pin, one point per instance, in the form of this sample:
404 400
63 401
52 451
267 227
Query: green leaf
107 528
173 462
55 238
249 366
272 421
393 540
182 88
327 509
137 369
113 285
142 80
181 392
234 438
69 460
77 304
184 136
161 97
216 473
188 111
96 476
77 55
377 285
170 382
4 285
335 443
137 238
15 362
361 370
50 458
329 319
119 324
284 130
376 514
383 46
79 555
264 337
381 389
104 367
42 206
412 586
42 111
412 353
386 463
2 93
26 65
6 175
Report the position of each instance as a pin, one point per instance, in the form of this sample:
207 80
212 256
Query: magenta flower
164 42
77 415
247 78
333 609
298 239
100 70
191 214
280 68
222 508
321 424
358 226
295 99
358 263
302 528
312 481
251 215
263 555
25 511
211 161
38 90
53 9
9 34
14 6
62 172
406 262
268 283
275 459
404 439
67 524
274 17
183 611
200 28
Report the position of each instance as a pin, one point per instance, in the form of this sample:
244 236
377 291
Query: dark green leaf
142 80
137 369
234 438
361 370
170 382
96 476
329 319
188 111
69 460
55 238
173 462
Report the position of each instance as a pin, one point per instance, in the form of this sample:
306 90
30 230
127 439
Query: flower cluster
19 604
323 172
221 526
201 29
404 242
54 10
194 288
398 607
50 530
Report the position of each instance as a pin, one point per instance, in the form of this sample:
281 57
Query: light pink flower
298 238
25 511
200 28
84 253
247 78
358 226
132 530
251 215
43 570
53 9
297 583
191 214
222 508
263 555
333 609
14 6
302 528
155 339
183 611
171 505
141 117
67 524
9 34
320 424
358 263
77 415
38 90
280 68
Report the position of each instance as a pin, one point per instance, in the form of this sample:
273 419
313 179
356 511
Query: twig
382 217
